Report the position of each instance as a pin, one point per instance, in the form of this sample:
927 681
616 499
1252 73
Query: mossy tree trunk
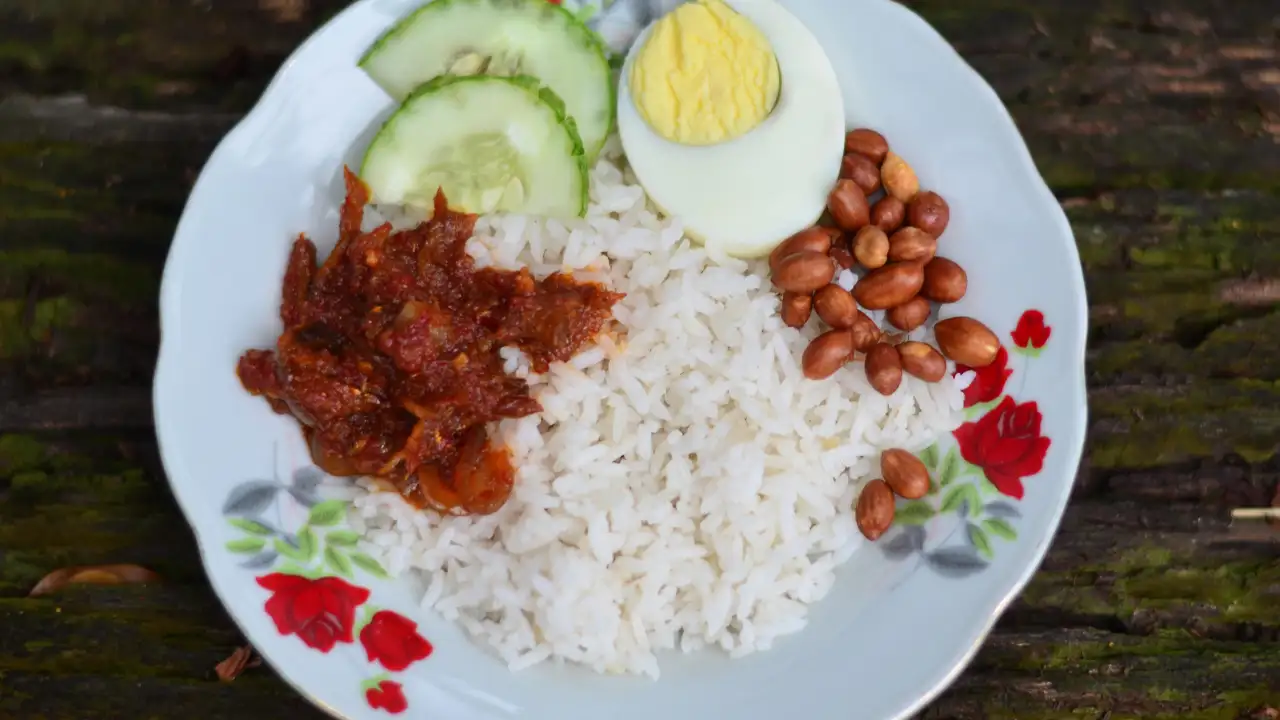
1156 122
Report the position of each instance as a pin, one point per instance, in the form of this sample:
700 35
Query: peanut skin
884 368
875 509
805 272
826 354
889 286
904 473
944 281
865 141
848 205
796 308
814 239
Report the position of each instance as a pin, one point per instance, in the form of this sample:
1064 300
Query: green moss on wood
1142 357
1151 578
19 453
22 327
1209 396
149 53
1241 592
117 197
1144 426
1130 678
74 505
78 638
1248 348
1065 170
123 487
1152 447
100 530
81 276
1163 647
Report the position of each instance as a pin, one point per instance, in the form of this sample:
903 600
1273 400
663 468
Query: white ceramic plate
905 615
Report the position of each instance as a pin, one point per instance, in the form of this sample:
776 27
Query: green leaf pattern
973 499
1000 528
950 469
307 543
916 512
978 538
341 538
246 546
336 561
369 565
929 456
952 500
286 549
253 527
327 513
320 547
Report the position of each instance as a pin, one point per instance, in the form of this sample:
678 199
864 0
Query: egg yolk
705 75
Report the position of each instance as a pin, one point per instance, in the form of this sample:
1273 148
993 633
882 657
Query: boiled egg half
732 119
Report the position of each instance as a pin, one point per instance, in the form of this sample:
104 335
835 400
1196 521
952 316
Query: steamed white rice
685 486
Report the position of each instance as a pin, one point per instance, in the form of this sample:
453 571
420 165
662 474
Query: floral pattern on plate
312 597
311 584
955 528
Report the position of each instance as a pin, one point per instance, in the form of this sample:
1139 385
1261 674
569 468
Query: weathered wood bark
1157 123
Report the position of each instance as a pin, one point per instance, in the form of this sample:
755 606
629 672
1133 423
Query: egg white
744 196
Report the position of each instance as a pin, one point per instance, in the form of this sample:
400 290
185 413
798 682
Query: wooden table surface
1156 122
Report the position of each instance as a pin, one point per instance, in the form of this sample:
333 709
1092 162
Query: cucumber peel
504 38
491 143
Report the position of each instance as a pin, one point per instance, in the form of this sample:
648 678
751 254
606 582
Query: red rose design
393 640
321 612
1031 331
988 382
389 696
1006 443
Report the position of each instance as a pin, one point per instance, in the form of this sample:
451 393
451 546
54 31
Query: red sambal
389 357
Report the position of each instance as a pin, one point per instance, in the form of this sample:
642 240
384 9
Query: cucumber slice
501 37
493 144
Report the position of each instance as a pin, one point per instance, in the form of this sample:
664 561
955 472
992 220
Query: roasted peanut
796 308
904 473
929 212
814 239
871 247
888 213
843 258
889 286
866 142
944 281
865 332
912 244
967 341
922 360
884 368
835 306
862 171
898 178
874 511
848 205
909 315
804 272
826 354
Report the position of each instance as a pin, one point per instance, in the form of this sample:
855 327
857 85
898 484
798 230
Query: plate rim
1072 440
